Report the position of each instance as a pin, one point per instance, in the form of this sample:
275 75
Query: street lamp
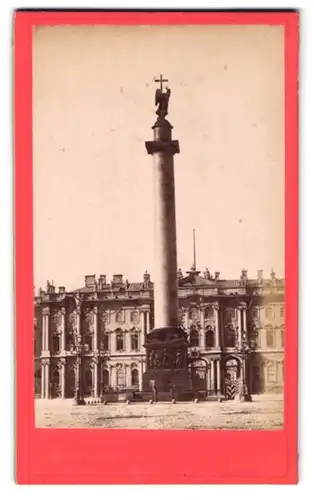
79 398
244 347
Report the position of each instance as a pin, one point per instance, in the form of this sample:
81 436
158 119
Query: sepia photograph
159 226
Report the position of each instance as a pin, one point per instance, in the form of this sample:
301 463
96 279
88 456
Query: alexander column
166 344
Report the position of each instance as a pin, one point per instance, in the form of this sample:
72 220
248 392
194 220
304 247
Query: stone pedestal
167 367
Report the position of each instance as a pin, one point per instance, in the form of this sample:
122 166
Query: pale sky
94 108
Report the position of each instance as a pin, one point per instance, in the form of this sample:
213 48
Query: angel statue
162 100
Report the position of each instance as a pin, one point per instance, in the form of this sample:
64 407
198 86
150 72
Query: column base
246 398
79 402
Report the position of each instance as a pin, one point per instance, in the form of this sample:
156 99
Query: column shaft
202 332
47 381
63 381
218 377
217 344
95 337
42 380
43 333
95 380
165 280
62 332
239 325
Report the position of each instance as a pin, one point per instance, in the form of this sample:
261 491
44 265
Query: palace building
111 320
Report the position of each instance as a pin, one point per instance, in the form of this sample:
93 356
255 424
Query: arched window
106 381
194 337
193 313
230 336
270 337
120 376
269 312
209 338
209 312
119 317
134 317
120 341
135 377
134 342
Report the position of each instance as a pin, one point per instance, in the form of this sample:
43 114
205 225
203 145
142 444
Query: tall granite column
166 344
163 148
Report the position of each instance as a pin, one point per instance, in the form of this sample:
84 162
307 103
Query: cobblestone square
262 413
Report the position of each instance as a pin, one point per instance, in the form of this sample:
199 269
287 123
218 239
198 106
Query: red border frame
138 457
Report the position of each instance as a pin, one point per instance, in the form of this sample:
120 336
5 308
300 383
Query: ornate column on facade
95 337
218 376
63 313
113 375
239 323
62 378
212 375
141 376
95 377
143 328
216 315
47 378
244 313
45 329
42 380
128 380
202 330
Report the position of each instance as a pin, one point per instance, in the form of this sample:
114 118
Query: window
120 376
55 344
134 342
88 343
134 317
119 317
104 345
120 342
282 339
194 337
255 313
230 314
135 377
193 314
282 312
230 336
106 378
209 313
270 337
272 372
269 312
209 338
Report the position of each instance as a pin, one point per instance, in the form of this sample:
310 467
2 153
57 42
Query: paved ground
262 413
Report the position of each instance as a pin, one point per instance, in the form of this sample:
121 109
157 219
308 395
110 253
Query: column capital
242 306
63 311
45 361
46 311
96 309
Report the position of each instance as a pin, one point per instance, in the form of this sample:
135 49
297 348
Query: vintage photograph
159 226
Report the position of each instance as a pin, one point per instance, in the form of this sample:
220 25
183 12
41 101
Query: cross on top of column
161 80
